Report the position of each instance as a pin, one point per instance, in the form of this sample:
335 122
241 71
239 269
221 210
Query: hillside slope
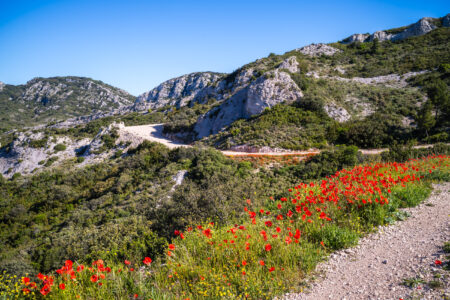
42 100
387 76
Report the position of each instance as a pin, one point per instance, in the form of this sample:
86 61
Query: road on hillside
154 133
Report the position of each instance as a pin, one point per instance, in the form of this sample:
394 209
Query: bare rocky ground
379 265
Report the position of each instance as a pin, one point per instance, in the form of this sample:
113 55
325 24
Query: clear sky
135 45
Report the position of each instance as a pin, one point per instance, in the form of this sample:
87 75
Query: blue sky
135 45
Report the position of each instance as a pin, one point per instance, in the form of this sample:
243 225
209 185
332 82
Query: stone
318 50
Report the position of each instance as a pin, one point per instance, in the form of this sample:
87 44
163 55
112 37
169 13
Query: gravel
378 266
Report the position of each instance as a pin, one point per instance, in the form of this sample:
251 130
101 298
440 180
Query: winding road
153 132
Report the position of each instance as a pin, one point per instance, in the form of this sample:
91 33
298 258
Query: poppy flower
261 262
94 278
176 232
80 268
62 286
437 262
272 269
25 280
147 261
268 247
135 296
171 246
45 290
244 263
268 223
127 262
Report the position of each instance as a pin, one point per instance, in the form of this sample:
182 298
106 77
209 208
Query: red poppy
45 290
127 262
177 232
94 278
26 280
261 262
135 296
147 261
244 263
80 268
268 223
272 269
171 246
437 262
207 233
62 286
268 247
182 236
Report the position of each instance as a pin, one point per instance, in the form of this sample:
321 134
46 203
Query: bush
59 147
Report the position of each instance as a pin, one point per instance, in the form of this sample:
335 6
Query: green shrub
59 147
38 143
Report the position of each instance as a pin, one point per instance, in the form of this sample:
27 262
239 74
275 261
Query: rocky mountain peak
177 91
421 27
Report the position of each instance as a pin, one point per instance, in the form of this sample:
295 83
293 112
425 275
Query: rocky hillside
42 100
304 74
423 26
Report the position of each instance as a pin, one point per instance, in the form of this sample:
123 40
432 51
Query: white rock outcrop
336 112
1 85
179 91
357 37
318 50
290 64
268 90
423 26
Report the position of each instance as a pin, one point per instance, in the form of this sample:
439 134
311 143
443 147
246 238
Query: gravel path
376 268
153 132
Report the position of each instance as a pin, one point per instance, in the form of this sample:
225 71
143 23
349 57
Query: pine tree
425 119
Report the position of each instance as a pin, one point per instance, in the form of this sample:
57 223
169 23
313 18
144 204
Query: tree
375 46
439 96
426 121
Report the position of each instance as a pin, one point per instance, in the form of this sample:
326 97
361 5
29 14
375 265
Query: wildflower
272 269
176 232
62 286
80 268
268 247
45 290
437 262
147 261
94 278
261 262
244 263
127 262
207 233
171 246
268 223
